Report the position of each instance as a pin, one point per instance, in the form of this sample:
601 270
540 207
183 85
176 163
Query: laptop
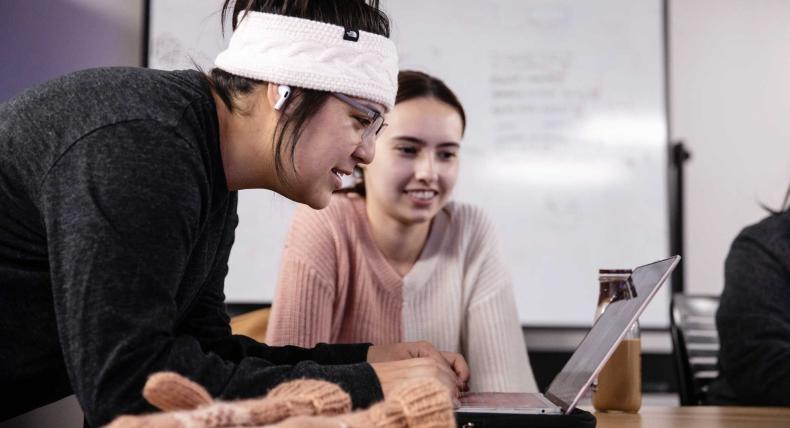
587 361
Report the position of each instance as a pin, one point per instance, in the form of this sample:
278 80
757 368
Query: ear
283 95
272 96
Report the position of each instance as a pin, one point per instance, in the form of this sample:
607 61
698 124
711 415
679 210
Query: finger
443 367
458 364
426 349
443 373
448 380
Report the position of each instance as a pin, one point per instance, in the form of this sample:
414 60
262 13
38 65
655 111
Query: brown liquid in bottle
620 381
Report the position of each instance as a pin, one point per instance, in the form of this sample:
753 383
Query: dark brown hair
304 103
415 84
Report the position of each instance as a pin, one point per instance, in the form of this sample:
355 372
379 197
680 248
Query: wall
730 102
47 38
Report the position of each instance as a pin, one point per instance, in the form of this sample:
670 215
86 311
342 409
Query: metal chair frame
695 345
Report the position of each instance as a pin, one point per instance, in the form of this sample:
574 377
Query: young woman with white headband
396 259
118 189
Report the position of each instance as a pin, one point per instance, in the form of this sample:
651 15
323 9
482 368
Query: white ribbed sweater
335 286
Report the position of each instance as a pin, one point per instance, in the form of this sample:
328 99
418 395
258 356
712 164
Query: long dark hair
415 84
364 15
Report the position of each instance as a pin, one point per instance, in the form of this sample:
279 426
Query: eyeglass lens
374 128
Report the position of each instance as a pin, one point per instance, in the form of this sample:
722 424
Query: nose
365 151
424 169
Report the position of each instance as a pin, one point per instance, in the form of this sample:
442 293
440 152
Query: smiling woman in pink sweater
395 260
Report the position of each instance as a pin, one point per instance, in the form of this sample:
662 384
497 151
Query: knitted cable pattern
417 403
313 55
302 397
304 403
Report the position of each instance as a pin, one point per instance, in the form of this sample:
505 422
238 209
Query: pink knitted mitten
189 405
420 403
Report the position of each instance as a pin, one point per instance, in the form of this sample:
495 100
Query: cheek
388 174
326 141
383 182
318 154
304 162
449 177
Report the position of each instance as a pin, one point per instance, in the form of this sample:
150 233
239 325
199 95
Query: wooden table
697 417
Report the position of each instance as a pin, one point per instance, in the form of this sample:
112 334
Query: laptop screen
568 386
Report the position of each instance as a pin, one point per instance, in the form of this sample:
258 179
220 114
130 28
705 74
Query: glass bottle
619 385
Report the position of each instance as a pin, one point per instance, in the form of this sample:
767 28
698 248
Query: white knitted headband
313 55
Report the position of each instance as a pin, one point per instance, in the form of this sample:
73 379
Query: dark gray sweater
115 229
754 318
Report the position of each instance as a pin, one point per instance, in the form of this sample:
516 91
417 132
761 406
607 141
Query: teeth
422 194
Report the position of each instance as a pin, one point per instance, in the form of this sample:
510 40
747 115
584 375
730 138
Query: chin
318 202
418 218
314 199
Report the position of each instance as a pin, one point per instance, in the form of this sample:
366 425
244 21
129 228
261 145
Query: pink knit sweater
336 286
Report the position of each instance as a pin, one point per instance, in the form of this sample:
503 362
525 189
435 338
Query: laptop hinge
557 402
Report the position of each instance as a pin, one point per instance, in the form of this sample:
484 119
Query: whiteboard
565 149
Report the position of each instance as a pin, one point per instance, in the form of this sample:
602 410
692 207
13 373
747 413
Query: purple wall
42 39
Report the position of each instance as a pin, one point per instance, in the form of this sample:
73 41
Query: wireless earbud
285 92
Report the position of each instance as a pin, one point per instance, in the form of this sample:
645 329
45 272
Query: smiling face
330 146
416 165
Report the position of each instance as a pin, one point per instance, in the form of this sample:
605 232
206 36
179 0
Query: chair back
251 324
695 343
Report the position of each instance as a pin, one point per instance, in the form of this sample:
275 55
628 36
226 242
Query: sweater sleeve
753 320
303 303
120 227
493 341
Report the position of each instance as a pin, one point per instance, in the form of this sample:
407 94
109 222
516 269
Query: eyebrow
415 140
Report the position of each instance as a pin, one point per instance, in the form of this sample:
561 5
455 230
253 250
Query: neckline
427 259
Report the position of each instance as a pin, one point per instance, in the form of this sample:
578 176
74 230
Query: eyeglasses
376 120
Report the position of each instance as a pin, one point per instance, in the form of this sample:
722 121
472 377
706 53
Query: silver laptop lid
599 344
